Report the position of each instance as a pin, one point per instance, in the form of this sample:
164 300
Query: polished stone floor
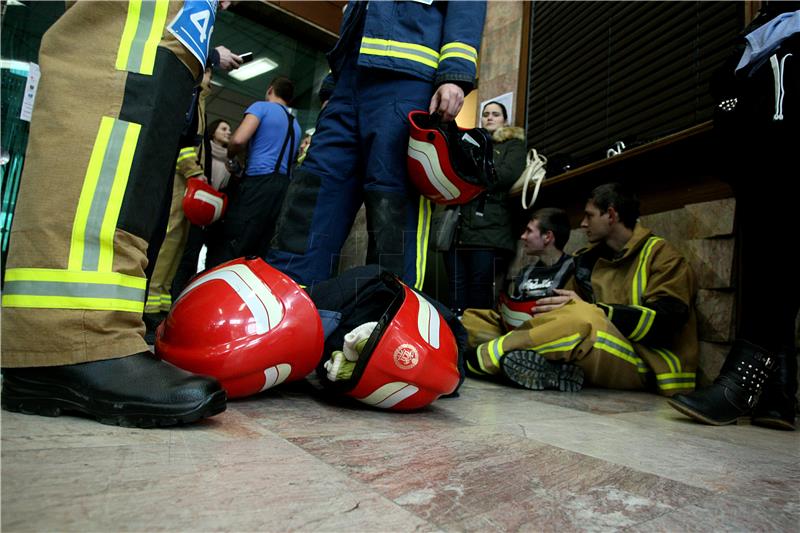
495 459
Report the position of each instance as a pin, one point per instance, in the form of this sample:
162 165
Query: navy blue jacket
437 42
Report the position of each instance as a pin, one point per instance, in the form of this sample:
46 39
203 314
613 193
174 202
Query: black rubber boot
386 217
530 370
777 405
135 391
734 392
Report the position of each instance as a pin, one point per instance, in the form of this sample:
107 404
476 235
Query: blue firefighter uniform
388 61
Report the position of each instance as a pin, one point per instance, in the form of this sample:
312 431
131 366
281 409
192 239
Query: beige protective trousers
578 332
159 297
109 110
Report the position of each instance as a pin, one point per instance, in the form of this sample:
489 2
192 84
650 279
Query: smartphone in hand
246 57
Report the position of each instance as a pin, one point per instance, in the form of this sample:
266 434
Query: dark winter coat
494 229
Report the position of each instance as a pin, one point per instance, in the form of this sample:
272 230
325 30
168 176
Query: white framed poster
506 99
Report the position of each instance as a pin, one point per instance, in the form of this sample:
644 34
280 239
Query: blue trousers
357 155
471 275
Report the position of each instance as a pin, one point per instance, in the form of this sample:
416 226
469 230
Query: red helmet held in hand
202 204
447 164
244 323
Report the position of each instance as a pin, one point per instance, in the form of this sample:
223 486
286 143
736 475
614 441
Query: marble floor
494 459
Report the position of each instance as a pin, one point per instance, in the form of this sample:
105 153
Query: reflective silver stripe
146 16
102 193
75 290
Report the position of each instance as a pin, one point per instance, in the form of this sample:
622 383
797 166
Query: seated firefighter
629 324
545 236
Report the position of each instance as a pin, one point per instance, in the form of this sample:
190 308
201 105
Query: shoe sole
32 402
773 423
697 415
530 370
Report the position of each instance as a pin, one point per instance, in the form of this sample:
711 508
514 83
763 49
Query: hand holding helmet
448 165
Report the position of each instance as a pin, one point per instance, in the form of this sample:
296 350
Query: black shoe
135 391
530 370
714 405
734 392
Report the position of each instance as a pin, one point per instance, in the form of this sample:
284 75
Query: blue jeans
471 273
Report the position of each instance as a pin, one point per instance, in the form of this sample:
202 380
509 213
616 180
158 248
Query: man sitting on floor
629 323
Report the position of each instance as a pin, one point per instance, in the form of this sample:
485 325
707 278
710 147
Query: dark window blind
602 72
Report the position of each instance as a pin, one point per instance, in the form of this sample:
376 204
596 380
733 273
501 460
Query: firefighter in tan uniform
545 237
629 323
116 80
188 165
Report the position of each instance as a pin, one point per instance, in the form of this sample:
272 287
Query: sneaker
530 370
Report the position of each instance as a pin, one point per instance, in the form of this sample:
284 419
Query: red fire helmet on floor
446 164
202 204
409 360
244 323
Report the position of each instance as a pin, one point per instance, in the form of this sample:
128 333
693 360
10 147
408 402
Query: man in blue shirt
271 136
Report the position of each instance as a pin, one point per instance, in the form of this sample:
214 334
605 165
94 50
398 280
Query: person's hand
228 60
551 303
447 101
233 166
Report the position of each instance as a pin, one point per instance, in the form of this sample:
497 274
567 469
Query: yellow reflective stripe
459 55
559 345
473 369
65 289
464 47
71 302
672 360
676 380
390 44
640 277
646 320
87 193
619 348
144 27
399 49
400 55
156 32
114 205
186 153
423 232
495 350
75 276
131 24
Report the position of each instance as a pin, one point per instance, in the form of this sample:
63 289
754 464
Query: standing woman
485 240
218 134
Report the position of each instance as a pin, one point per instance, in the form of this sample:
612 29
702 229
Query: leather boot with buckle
139 390
734 392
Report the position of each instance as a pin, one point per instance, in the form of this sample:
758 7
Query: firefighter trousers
115 85
358 156
159 297
578 333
